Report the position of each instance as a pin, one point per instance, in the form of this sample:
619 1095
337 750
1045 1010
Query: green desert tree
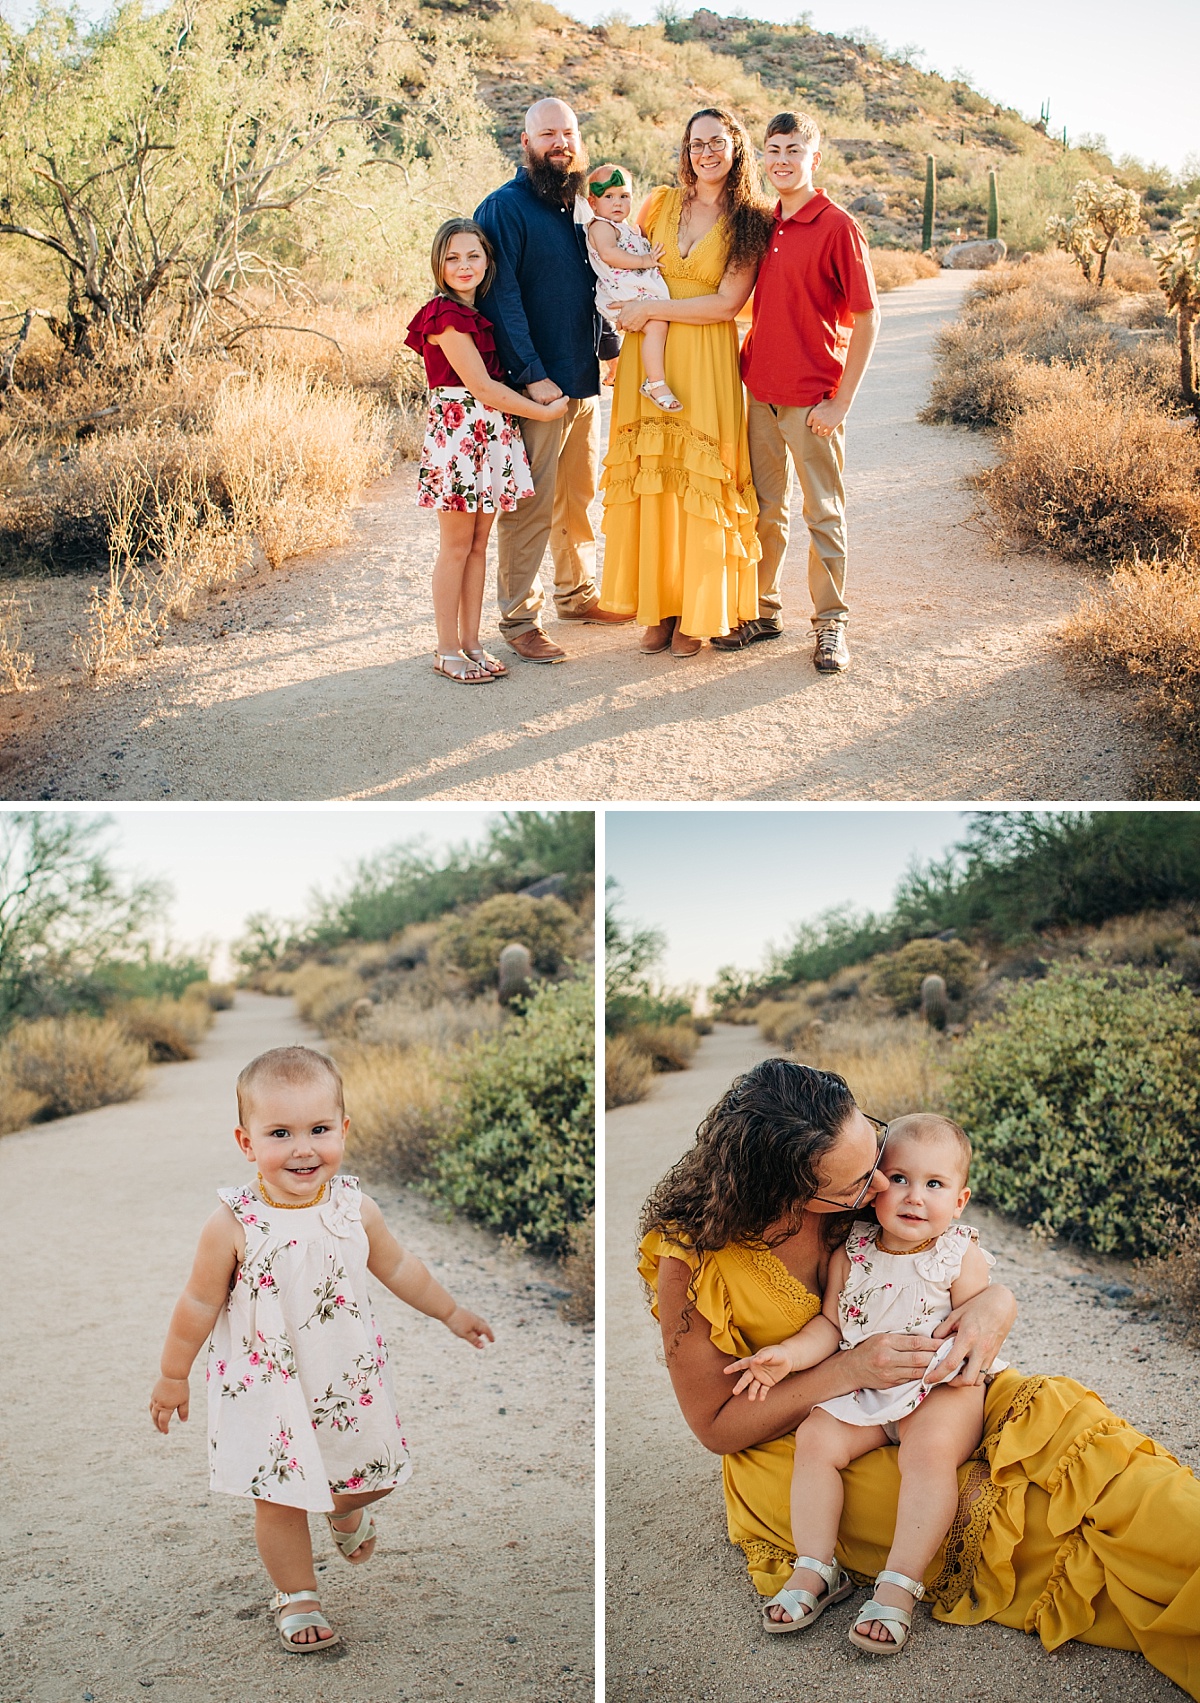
1179 275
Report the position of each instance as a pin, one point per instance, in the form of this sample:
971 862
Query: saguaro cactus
993 208
930 202
935 1007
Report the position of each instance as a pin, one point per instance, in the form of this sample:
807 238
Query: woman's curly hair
755 1162
749 216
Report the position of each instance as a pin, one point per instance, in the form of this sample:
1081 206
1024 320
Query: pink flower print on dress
339 1300
354 1481
365 1399
453 415
266 1281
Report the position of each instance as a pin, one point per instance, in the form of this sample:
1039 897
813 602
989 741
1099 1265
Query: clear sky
223 864
724 885
1105 68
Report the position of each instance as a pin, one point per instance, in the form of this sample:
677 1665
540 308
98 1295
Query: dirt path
681 1611
316 683
126 1579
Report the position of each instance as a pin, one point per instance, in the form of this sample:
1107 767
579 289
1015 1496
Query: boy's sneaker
831 655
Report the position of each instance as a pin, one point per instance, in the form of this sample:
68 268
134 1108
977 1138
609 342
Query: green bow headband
617 180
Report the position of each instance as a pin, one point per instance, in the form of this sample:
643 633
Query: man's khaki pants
778 437
564 459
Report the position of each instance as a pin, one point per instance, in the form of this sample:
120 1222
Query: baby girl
626 268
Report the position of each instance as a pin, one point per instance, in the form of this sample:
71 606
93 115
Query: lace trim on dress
771 1274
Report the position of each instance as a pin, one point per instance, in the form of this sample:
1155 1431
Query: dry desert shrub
169 1029
16 665
397 1101
894 267
579 1272
628 1073
1170 1282
325 996
72 1064
1093 471
784 1021
1144 623
667 1046
891 1066
19 1107
445 1024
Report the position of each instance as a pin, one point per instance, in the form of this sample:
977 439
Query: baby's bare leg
654 350
346 1518
824 1445
934 1442
286 1550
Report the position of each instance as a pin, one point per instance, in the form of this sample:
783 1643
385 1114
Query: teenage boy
816 317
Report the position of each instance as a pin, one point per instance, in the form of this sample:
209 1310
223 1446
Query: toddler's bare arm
195 1314
604 240
411 1280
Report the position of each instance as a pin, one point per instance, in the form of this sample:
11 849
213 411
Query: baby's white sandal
837 1586
897 1620
290 1623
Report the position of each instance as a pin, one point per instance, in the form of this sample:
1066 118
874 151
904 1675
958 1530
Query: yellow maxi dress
679 505
1070 1523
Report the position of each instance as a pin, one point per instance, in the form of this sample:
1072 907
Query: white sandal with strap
291 1623
795 1603
897 1620
351 1542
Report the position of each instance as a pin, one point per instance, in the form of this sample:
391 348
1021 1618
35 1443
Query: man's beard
553 181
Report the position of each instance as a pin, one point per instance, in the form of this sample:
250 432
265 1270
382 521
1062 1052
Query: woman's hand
881 1362
980 1326
635 316
169 1395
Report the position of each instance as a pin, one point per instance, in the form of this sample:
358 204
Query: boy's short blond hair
928 1126
291 1065
795 124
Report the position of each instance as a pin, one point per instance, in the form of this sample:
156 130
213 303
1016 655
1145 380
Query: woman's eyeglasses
718 145
881 1130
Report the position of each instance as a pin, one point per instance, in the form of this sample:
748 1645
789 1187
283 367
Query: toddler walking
473 462
906 1272
301 1414
626 268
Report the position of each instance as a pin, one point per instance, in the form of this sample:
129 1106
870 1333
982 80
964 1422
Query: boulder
549 887
978 254
868 204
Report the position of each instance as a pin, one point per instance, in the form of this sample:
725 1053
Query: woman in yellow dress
681 549
1070 1524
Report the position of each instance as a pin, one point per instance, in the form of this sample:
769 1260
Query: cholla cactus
1179 276
1103 212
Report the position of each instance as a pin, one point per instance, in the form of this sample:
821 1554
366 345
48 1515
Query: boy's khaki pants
564 460
779 436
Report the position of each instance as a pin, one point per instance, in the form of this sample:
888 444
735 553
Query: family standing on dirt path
698 473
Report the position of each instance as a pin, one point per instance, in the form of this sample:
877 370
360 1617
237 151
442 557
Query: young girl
905 1273
300 1406
473 463
626 268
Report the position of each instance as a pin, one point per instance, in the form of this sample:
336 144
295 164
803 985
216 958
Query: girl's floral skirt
473 458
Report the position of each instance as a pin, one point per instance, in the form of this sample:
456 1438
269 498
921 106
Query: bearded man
550 337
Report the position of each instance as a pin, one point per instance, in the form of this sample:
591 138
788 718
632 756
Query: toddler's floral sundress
615 284
473 458
896 1292
300 1396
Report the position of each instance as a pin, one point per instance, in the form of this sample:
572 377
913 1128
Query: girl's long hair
756 1162
441 242
746 208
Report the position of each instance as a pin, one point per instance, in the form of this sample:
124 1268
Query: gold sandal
486 660
469 673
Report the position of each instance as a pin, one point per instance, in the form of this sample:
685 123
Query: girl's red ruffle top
443 314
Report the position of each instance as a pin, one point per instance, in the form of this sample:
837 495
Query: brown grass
445 1024
397 1099
892 1066
1170 1282
579 1273
667 1046
72 1064
628 1073
1143 625
169 1029
895 267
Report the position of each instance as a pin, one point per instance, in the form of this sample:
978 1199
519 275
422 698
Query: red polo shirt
815 276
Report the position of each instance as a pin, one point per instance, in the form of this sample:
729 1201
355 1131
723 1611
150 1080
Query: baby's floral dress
300 1399
473 458
896 1293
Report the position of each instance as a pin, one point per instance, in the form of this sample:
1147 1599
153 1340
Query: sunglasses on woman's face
881 1130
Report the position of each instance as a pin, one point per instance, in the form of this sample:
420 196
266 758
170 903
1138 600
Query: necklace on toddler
288 1205
919 1249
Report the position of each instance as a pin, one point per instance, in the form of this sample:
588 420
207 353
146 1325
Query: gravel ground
127 1579
316 682
682 1615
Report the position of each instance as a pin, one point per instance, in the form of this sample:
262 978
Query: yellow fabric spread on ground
679 505
1071 1524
